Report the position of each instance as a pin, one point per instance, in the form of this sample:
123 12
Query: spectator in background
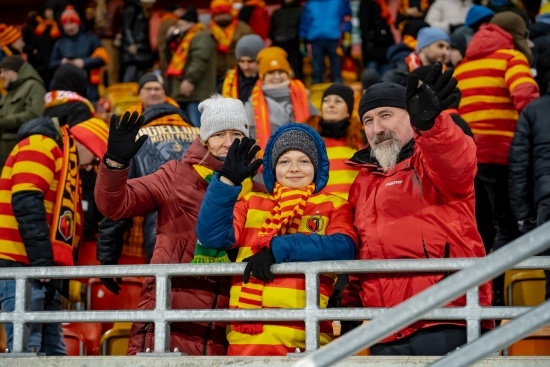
176 191
375 23
447 15
168 20
433 46
277 98
227 30
136 53
285 33
324 23
255 14
23 102
80 49
42 214
498 52
529 171
408 10
459 43
540 35
238 82
40 34
476 16
191 74
170 136
108 27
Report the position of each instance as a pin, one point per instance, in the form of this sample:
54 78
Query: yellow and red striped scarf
95 73
43 25
384 12
300 106
230 87
177 63
58 97
224 36
66 226
285 218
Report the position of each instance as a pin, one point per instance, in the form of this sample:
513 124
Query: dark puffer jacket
135 31
529 167
176 191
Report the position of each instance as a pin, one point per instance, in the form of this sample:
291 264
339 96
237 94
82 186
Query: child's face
294 169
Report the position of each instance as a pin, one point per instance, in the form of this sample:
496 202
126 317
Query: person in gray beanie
176 192
239 81
296 220
413 198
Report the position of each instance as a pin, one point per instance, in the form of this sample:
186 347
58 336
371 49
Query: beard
385 149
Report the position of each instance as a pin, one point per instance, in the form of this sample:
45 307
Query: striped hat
70 15
8 34
93 135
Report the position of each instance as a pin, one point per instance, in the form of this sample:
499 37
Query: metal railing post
312 306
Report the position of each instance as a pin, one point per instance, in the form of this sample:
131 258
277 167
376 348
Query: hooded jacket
325 233
423 208
529 169
496 84
176 191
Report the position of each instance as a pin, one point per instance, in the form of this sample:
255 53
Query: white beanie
219 113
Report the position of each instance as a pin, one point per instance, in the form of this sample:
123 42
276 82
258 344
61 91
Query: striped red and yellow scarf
384 12
224 36
300 106
95 73
66 228
285 218
177 63
58 97
43 25
230 87
413 61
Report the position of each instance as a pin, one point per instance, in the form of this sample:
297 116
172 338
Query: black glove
426 102
236 166
259 265
347 326
112 284
122 144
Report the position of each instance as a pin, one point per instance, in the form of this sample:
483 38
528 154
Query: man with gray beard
413 199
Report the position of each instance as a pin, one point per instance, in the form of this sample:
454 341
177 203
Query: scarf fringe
248 328
201 259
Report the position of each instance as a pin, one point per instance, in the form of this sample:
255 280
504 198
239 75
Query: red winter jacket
423 208
176 190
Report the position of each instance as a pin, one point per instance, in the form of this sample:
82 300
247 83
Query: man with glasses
41 211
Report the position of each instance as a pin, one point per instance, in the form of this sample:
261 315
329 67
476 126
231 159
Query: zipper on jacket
145 329
211 323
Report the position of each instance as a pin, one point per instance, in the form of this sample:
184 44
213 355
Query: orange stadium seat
316 94
91 332
74 342
127 88
525 288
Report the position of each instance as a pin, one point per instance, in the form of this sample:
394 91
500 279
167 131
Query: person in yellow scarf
227 30
277 98
293 221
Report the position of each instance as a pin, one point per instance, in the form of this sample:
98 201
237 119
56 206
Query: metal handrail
393 320
311 314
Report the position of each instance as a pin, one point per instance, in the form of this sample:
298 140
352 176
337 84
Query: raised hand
122 144
238 164
425 102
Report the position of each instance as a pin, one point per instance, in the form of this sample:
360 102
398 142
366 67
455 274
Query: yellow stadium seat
537 344
114 342
3 338
316 94
525 288
129 88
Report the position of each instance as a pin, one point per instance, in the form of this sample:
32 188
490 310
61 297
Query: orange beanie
221 6
93 134
271 59
8 34
70 15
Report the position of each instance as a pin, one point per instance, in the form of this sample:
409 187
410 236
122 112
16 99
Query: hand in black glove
259 265
122 144
527 225
236 166
425 102
112 284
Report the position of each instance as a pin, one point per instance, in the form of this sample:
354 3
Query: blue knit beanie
478 13
429 35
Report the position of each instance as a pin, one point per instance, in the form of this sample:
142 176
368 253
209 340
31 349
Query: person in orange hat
227 30
82 49
277 98
42 213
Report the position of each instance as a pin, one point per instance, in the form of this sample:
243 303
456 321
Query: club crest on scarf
315 223
66 223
